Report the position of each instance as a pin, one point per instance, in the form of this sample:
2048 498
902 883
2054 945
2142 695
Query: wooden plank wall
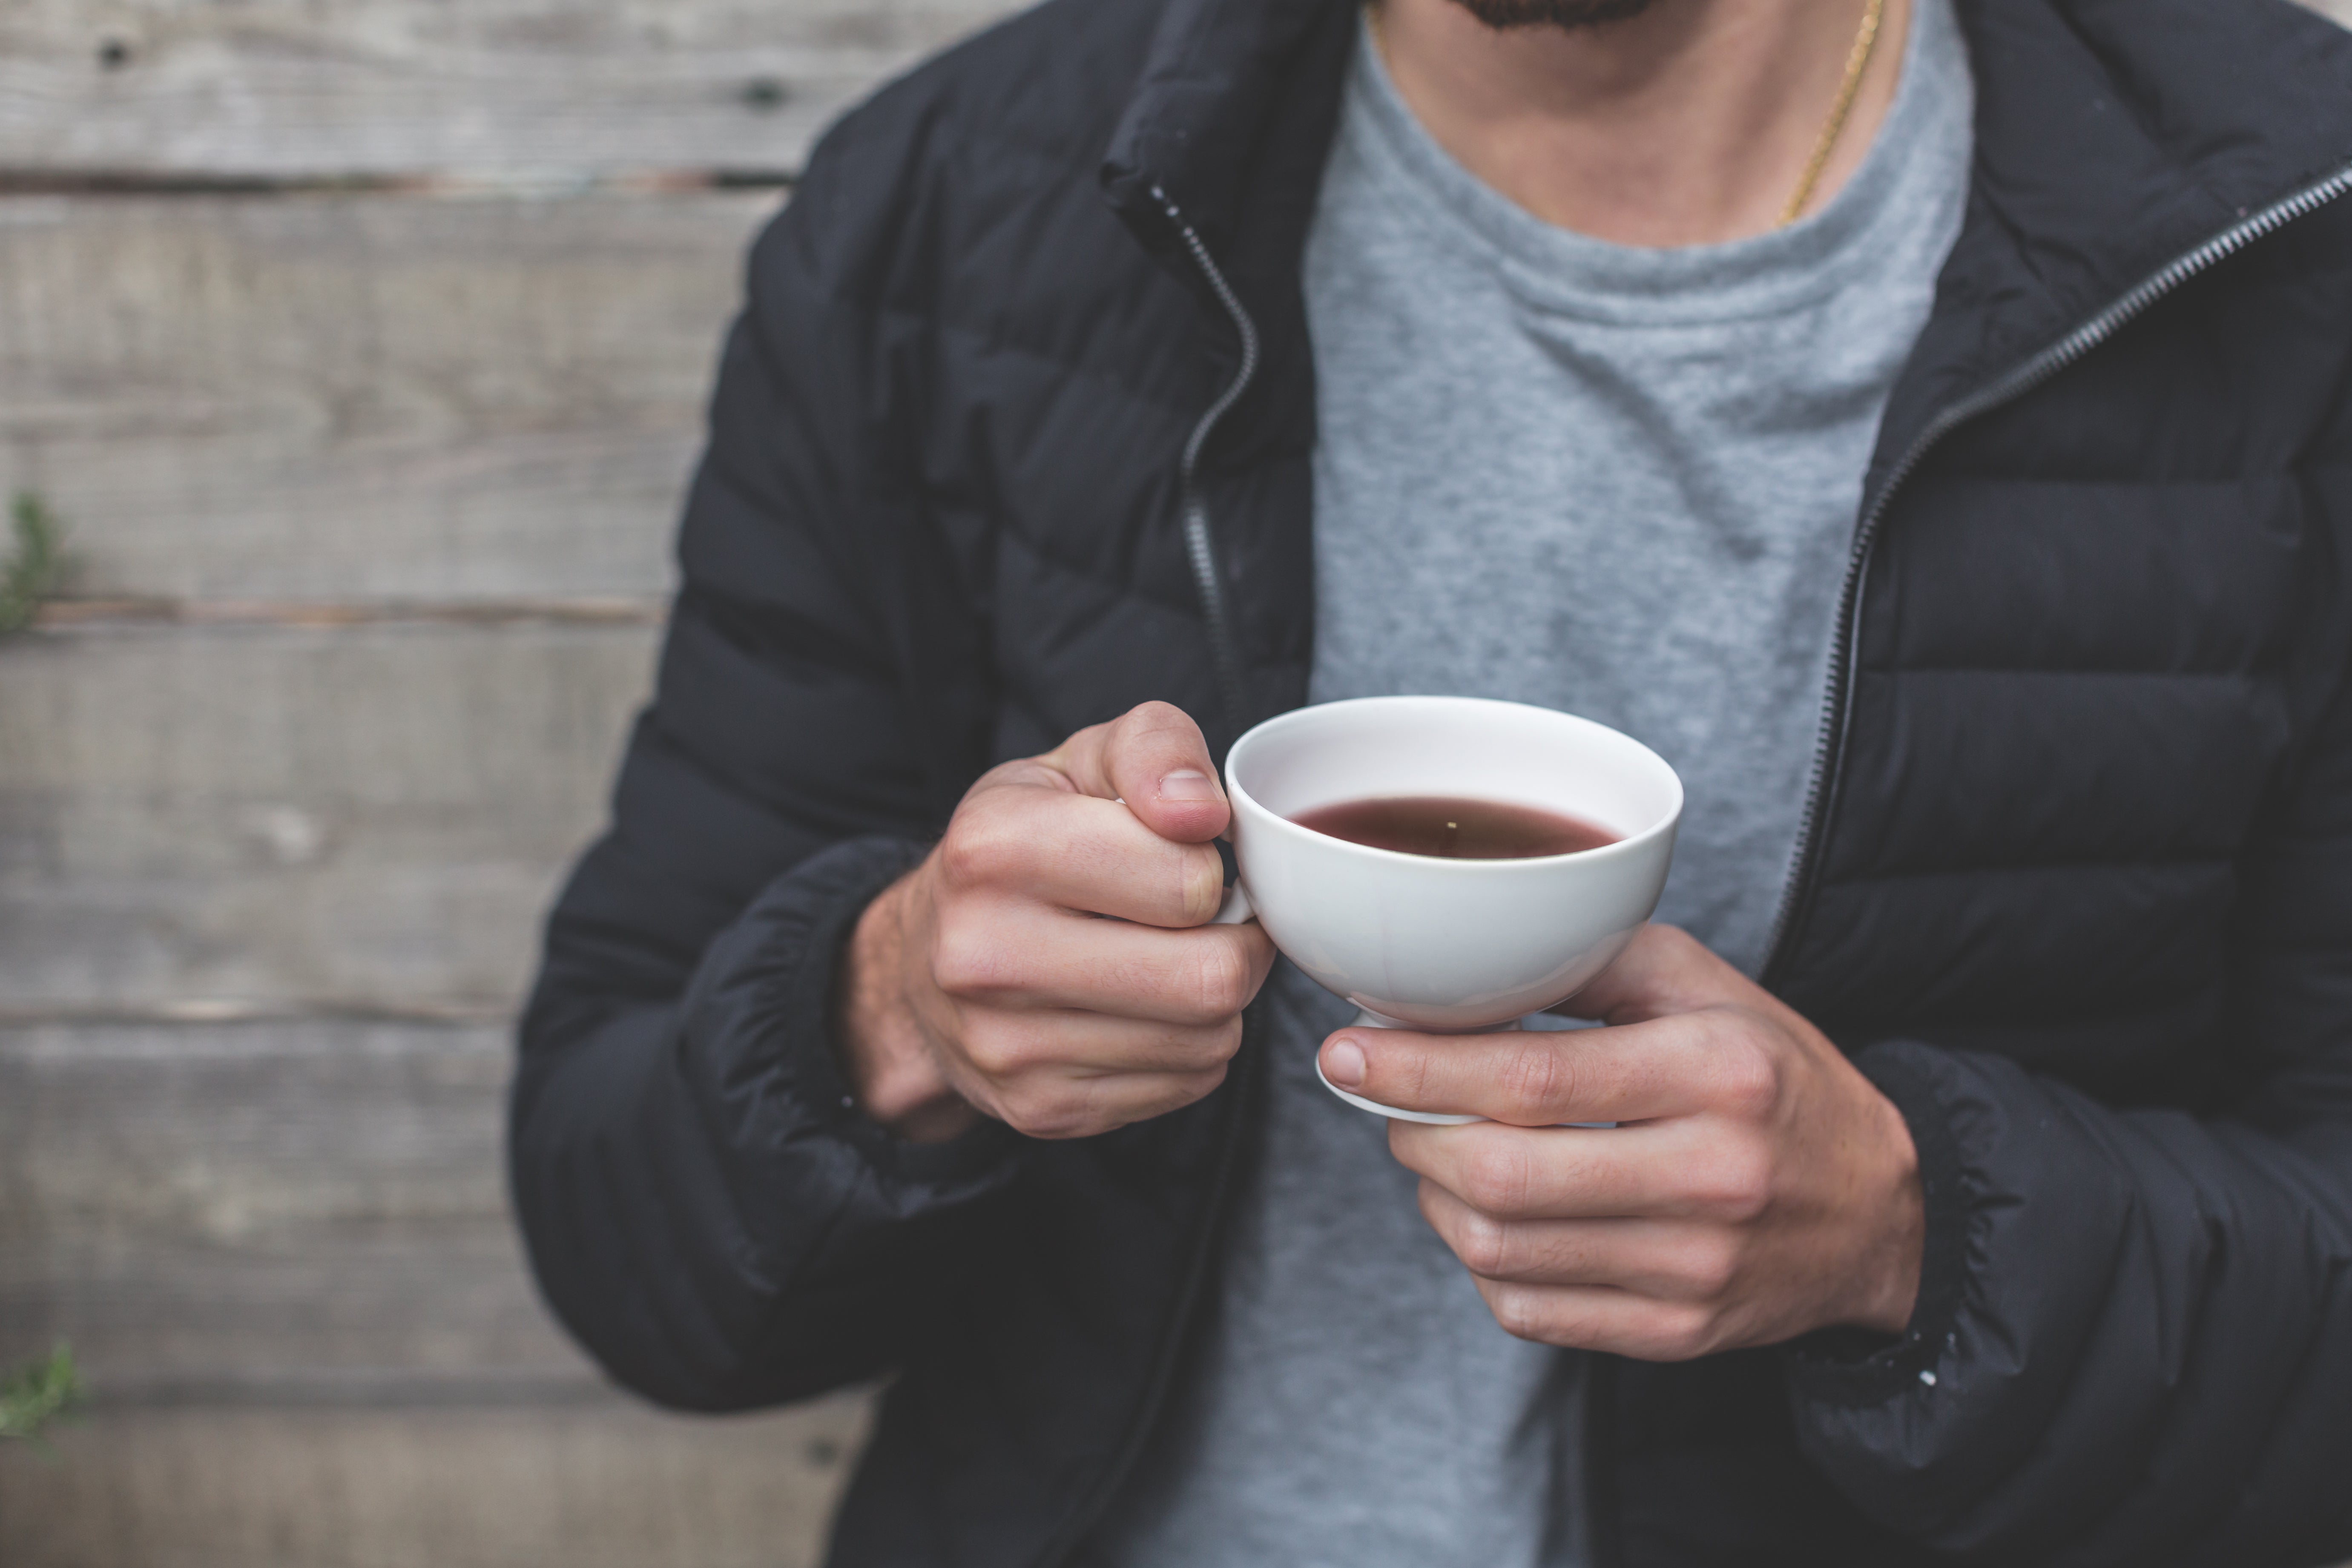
362 345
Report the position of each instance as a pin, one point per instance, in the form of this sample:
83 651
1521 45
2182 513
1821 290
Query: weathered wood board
293 1210
594 1486
419 405
282 1256
367 396
370 817
338 87
286 88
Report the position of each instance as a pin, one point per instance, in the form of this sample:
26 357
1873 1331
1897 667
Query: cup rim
1631 845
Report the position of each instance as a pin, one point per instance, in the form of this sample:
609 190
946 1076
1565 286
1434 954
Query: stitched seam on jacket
2260 676
2029 867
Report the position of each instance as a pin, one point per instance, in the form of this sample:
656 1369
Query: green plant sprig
36 568
33 1397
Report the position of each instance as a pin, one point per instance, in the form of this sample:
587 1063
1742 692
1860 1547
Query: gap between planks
456 183
216 1010
387 1388
95 613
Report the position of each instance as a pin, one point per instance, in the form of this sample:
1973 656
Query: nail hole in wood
763 92
113 54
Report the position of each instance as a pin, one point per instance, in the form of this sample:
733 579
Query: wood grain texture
371 816
337 87
281 1252
601 1486
269 1211
364 396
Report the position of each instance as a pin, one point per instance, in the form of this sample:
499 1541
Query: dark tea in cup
1456 828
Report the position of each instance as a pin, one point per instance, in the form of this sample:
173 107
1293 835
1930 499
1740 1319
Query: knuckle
1686 1333
1484 1244
1747 1076
1222 978
1494 1181
1191 1088
1202 884
1045 1122
978 850
968 961
1146 717
1154 718
1538 1076
1711 1269
998 1053
1519 1311
1665 1332
1736 1183
1051 1114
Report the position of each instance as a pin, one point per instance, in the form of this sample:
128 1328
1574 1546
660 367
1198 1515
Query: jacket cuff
767 984
1854 1367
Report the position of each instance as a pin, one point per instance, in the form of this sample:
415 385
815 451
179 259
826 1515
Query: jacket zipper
1201 549
1169 1351
1200 546
1837 702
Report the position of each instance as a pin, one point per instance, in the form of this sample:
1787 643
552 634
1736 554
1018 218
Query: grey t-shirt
1617 481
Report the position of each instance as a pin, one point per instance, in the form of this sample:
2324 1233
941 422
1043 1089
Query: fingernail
1187 783
1343 1062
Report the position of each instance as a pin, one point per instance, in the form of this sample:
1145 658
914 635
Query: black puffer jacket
994 458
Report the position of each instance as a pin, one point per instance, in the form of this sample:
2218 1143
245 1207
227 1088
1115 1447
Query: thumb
1154 758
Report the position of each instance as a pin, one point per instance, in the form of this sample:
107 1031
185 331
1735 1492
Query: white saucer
1429 1117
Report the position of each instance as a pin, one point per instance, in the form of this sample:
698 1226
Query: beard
1566 14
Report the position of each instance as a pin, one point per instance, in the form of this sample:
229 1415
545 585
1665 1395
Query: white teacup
1442 945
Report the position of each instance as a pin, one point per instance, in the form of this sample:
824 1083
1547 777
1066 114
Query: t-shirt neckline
1560 270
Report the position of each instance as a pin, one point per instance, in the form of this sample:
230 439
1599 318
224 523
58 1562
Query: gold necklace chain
1857 61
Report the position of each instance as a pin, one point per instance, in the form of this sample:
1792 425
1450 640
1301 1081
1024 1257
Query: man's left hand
1756 1186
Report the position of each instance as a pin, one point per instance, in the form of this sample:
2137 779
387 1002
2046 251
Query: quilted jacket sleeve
2135 1340
704 1208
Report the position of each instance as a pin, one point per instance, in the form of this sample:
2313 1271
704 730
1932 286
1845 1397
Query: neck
1688 124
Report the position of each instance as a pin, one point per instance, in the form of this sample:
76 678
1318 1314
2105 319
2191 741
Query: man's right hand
1050 962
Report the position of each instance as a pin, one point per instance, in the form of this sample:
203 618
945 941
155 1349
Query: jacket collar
2112 136
1213 80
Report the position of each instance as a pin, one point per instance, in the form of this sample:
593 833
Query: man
1928 430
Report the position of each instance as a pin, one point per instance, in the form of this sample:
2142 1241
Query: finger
1079 853
1532 1077
1011 954
1691 1168
1057 1107
1668 1260
1006 1046
1597 1318
1153 758
1664 971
